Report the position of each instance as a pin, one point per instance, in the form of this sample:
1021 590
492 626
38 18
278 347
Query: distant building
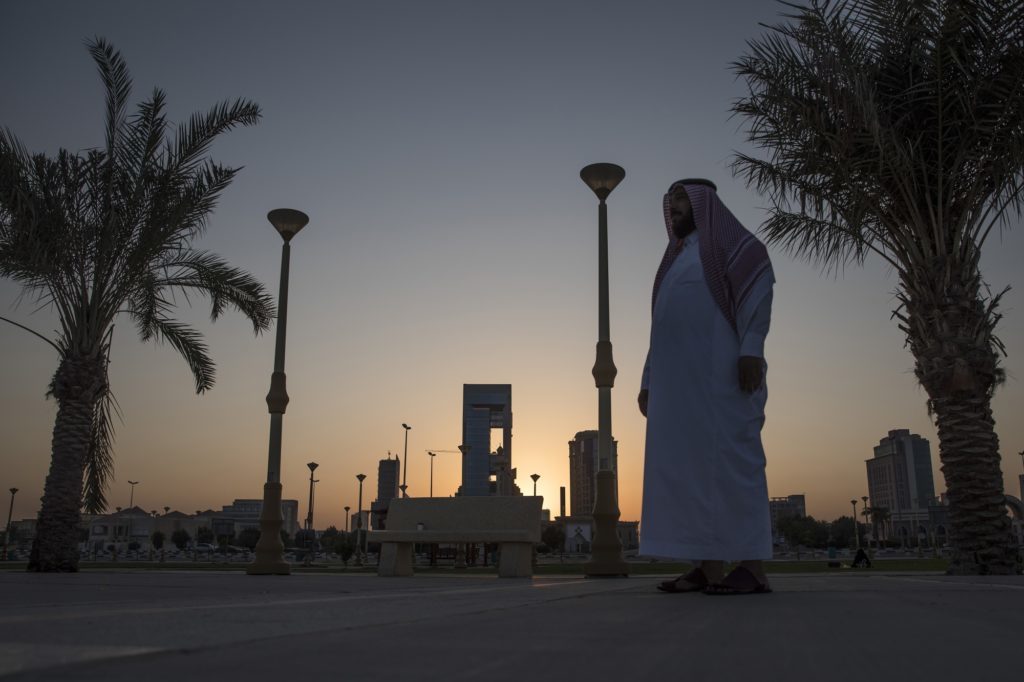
486 407
900 480
244 514
583 468
791 506
387 489
579 533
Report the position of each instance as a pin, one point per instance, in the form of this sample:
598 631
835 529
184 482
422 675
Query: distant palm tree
104 233
896 128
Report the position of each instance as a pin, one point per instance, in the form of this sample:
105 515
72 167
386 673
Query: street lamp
7 531
405 458
606 555
535 477
309 515
864 513
269 559
856 531
432 456
346 518
359 520
131 506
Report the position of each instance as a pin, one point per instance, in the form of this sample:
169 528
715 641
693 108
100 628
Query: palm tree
106 233
896 128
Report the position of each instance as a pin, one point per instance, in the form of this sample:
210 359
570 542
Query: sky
436 148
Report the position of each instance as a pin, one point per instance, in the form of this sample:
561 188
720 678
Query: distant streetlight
535 477
856 531
269 552
131 506
346 518
432 456
359 520
606 550
864 513
7 531
309 515
405 458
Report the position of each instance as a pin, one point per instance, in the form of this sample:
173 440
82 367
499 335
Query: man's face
680 212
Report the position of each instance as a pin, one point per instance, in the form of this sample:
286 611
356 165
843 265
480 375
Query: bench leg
395 559
516 560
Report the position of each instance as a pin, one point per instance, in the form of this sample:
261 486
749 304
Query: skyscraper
900 480
486 407
583 468
387 489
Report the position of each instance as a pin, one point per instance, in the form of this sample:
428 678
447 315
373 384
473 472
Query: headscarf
732 257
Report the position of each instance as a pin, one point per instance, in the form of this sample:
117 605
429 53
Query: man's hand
642 401
751 373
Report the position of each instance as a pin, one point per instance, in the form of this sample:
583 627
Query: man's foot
694 581
739 581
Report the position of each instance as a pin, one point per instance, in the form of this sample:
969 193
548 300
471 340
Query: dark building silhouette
486 407
388 471
583 468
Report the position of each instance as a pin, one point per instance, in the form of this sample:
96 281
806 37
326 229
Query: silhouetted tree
248 537
893 128
157 540
554 537
107 232
181 538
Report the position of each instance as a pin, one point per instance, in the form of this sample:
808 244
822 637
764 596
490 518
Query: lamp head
14 490
361 477
133 482
602 178
287 221
406 427
853 502
534 477
312 467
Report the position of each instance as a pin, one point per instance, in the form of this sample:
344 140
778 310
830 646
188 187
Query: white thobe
705 492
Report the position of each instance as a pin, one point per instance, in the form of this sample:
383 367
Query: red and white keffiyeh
732 257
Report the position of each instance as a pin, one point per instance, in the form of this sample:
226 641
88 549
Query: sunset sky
436 147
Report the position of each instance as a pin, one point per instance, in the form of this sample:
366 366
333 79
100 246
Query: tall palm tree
106 233
896 128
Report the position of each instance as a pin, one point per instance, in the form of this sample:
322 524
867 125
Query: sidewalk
137 625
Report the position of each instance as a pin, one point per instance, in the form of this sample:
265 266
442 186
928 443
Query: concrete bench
511 522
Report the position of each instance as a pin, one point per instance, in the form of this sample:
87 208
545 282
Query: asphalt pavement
165 625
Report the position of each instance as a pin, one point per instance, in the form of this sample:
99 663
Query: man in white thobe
703 393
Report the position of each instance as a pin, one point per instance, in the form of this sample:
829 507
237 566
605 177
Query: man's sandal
739 581
694 581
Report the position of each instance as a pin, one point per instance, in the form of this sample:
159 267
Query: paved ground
137 625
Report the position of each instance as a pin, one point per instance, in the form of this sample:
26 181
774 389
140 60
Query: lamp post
346 518
864 513
432 456
606 556
309 515
269 559
131 505
535 477
359 521
856 530
7 528
405 458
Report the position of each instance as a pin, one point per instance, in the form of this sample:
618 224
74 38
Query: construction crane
432 453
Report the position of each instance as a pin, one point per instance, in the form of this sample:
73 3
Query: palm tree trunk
77 387
969 450
950 331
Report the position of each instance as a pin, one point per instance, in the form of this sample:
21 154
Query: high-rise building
583 468
900 481
486 407
387 489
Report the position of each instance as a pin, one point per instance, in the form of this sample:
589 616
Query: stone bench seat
513 523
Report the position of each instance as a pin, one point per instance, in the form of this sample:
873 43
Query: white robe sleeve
754 316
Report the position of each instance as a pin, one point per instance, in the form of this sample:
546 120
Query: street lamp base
606 550
270 550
